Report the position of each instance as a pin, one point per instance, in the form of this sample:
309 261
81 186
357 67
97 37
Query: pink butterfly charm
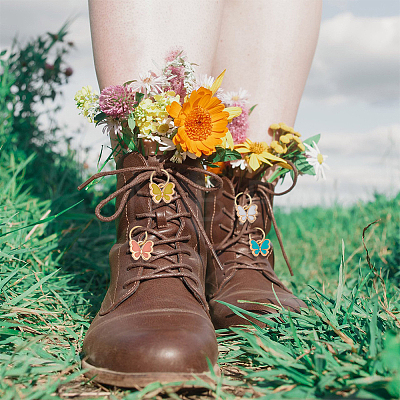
142 249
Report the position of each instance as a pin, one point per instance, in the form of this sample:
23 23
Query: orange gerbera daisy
202 120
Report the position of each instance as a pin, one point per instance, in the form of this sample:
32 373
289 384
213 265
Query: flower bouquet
189 116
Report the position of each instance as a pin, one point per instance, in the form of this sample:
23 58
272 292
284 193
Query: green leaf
128 140
129 82
279 172
7 279
136 132
139 96
312 139
131 121
222 155
303 165
218 155
100 117
252 108
212 165
373 329
231 155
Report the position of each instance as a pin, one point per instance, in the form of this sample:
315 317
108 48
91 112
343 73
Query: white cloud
368 158
361 163
357 59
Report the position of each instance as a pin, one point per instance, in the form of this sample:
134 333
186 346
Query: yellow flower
285 138
290 129
274 127
149 114
165 99
87 101
286 128
257 153
297 140
202 120
277 147
234 112
227 141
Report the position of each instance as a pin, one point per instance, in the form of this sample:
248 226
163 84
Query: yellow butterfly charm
162 191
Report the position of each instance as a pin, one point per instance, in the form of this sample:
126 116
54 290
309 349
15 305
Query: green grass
53 279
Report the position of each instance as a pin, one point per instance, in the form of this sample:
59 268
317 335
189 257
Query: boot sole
140 380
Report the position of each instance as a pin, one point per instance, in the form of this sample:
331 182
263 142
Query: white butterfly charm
246 213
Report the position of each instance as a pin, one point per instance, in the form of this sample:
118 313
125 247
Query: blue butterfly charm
260 246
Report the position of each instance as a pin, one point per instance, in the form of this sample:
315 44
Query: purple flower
177 83
173 54
175 69
117 101
239 125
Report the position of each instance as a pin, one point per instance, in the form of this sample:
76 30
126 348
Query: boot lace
238 239
173 268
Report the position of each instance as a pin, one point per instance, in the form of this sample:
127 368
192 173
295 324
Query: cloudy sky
351 97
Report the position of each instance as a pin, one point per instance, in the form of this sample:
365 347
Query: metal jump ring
246 206
163 184
261 240
142 241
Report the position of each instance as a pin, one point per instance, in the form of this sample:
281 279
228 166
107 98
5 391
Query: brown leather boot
154 324
237 220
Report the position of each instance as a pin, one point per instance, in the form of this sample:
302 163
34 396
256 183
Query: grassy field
54 273
53 277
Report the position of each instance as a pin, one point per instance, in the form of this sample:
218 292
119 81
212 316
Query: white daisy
165 143
150 83
242 96
179 157
209 183
165 127
147 135
241 163
317 160
111 126
207 81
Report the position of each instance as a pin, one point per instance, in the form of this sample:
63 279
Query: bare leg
128 35
267 47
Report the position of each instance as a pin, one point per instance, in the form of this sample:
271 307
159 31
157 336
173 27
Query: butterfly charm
259 246
142 248
161 191
262 246
246 213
